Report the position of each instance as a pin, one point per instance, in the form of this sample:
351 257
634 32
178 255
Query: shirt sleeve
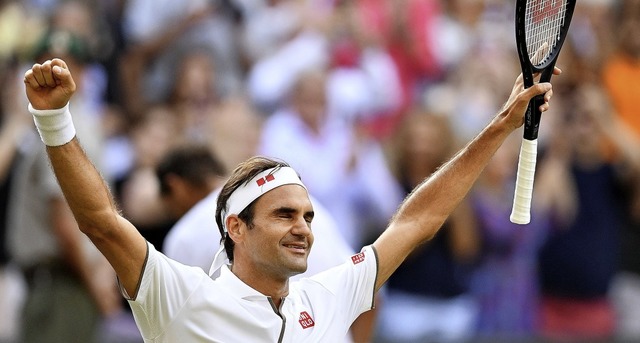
352 283
165 286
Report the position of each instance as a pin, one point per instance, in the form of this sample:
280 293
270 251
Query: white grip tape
54 126
521 211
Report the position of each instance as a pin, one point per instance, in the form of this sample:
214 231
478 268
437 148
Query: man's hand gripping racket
541 27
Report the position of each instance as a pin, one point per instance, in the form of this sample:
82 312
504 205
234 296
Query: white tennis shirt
178 303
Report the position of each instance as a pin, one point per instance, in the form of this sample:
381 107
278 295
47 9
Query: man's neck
274 287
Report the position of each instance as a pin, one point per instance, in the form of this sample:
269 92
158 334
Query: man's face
281 237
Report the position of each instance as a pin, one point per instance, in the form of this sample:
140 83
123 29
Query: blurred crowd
364 98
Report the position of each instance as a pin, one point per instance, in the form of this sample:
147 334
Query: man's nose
301 227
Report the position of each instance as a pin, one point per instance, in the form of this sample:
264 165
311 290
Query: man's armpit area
123 291
375 281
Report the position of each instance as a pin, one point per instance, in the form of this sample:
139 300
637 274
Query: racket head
541 28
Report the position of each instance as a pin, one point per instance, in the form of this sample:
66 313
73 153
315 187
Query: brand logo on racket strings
305 320
543 9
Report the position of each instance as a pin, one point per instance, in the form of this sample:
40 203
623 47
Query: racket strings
543 22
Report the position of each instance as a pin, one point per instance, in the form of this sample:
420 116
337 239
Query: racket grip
521 211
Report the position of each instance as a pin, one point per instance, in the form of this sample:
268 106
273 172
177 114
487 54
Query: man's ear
235 228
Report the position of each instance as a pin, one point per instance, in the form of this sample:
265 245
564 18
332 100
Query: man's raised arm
427 207
49 87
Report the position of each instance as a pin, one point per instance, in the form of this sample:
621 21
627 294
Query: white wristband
55 126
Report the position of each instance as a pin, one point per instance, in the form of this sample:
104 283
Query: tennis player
266 214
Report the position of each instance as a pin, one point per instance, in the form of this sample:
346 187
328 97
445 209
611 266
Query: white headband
244 195
259 185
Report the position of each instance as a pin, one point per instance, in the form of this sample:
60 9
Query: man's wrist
54 126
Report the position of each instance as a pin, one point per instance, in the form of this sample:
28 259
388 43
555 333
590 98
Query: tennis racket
541 27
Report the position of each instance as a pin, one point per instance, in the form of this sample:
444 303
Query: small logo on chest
305 320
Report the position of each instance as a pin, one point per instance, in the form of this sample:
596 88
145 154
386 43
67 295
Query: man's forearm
83 187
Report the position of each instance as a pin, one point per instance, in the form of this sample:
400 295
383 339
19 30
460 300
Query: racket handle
521 211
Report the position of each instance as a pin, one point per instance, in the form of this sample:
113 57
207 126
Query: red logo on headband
261 181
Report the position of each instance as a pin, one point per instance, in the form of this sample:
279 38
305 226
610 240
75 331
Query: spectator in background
14 125
83 21
505 280
70 286
20 29
234 131
431 287
405 30
137 188
15 34
321 147
157 32
621 72
458 31
195 96
189 177
195 111
363 82
270 24
475 32
621 76
316 144
626 286
302 47
581 257
228 124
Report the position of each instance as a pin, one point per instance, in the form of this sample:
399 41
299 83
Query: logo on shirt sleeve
305 320
357 258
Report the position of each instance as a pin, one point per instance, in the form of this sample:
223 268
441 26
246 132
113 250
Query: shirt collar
236 286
